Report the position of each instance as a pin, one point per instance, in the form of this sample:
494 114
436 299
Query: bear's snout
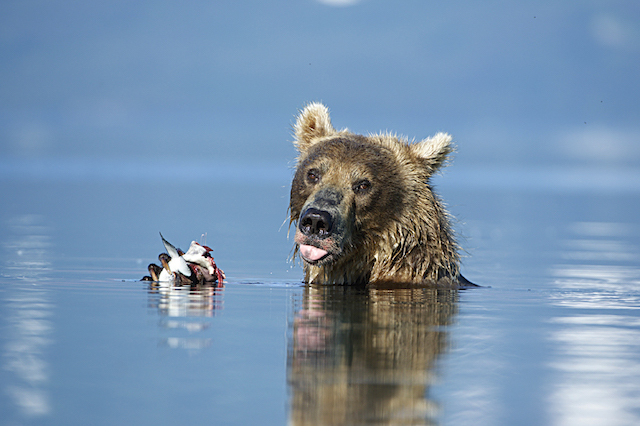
317 223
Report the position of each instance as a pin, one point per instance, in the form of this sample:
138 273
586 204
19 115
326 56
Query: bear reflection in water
366 356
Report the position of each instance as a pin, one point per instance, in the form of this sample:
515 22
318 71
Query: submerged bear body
364 210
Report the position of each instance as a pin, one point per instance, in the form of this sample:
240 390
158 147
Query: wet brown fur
395 229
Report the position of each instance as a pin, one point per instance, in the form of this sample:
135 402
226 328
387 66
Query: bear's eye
313 176
362 186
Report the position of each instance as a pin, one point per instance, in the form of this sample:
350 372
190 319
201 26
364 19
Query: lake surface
552 339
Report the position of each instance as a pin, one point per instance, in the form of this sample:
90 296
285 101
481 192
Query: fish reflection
366 355
598 334
185 309
27 312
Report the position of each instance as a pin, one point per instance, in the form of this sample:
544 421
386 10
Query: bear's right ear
312 123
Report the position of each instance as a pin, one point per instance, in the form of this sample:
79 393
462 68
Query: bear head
363 208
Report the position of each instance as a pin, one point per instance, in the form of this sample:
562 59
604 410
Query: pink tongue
311 252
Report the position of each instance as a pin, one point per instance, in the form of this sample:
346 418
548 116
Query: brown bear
364 210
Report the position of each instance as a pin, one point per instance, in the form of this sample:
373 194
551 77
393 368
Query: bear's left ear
312 123
433 151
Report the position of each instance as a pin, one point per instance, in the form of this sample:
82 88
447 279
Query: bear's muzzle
317 223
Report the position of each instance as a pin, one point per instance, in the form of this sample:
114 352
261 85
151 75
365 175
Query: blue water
552 338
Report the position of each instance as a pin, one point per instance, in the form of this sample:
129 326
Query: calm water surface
554 340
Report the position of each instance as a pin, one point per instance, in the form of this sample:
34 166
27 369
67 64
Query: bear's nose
316 222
